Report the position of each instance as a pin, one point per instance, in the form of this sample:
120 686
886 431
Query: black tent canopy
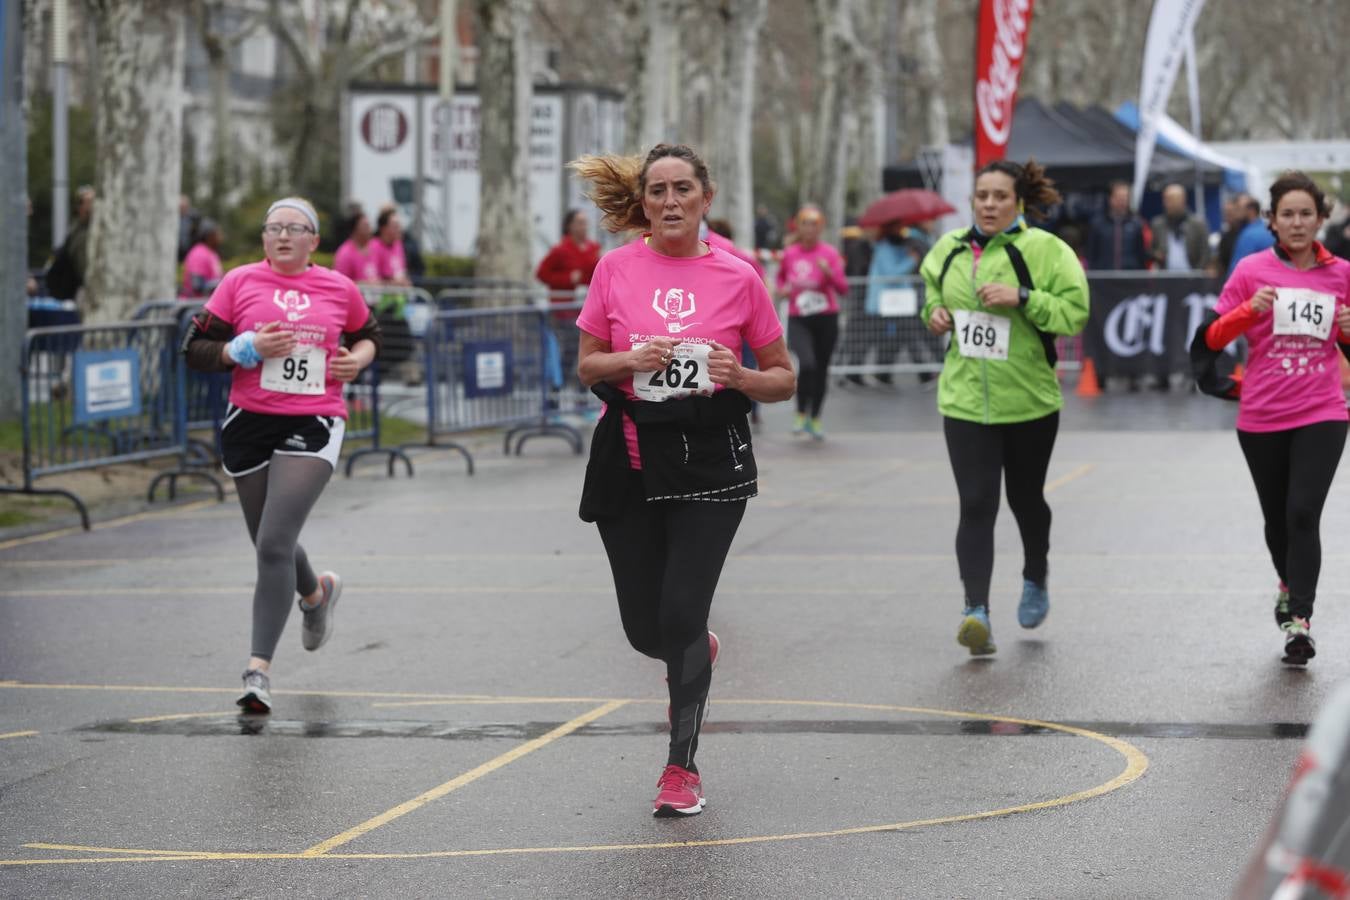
1081 149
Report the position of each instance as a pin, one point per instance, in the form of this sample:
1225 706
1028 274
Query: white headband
298 205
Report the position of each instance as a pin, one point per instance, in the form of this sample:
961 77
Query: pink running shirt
204 263
810 290
357 264
1292 380
390 263
317 305
638 294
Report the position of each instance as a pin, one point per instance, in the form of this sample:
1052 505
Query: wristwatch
1023 295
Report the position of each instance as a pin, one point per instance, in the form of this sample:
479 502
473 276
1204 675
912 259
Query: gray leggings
276 501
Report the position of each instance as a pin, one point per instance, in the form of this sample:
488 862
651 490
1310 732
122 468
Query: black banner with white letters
1142 325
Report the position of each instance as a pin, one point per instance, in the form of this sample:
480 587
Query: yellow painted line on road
468 777
540 701
1136 764
111 523
146 720
181 689
1072 476
17 734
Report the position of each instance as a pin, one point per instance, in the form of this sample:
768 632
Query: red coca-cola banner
999 49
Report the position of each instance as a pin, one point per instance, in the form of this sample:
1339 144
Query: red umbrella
905 206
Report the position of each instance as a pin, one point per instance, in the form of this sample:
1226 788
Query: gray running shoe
257 696
318 624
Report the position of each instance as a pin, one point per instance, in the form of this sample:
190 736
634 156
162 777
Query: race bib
1304 311
810 303
303 372
981 335
898 301
686 376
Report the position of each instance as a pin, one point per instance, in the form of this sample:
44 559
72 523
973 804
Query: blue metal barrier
94 395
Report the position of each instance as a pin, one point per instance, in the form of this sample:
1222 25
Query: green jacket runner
1023 386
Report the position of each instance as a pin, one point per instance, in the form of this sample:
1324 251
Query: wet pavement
478 727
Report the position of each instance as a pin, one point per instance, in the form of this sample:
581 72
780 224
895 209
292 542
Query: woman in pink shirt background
390 263
1290 302
355 256
672 464
812 278
202 268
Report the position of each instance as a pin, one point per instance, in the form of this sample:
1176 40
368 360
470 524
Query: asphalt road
478 726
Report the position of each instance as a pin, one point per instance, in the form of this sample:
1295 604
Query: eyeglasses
294 229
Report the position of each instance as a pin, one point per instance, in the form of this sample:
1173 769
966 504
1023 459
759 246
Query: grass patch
11 435
9 518
394 431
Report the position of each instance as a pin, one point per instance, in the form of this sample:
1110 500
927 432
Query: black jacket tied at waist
693 448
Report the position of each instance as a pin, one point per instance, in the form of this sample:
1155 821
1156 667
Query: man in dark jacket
1116 237
1180 237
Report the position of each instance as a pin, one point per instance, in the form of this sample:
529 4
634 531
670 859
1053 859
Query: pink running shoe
680 794
714 649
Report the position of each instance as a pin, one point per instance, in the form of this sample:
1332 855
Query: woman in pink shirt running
671 462
291 334
812 279
1290 302
202 268
355 256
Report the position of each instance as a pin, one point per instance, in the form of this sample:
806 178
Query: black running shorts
248 439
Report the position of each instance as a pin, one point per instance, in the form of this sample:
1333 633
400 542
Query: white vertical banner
1193 93
1169 32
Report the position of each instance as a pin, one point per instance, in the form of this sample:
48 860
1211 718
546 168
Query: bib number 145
1303 311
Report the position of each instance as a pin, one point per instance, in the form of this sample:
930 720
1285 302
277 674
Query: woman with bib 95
1003 290
291 334
671 463
1290 302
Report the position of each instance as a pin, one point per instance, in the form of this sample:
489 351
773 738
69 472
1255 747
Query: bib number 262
686 375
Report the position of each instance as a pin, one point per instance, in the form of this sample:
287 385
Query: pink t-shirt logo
673 308
292 303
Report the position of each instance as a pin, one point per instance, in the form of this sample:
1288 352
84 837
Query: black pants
812 339
666 558
980 456
1293 472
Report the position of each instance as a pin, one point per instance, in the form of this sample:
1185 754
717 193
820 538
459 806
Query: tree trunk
931 74
659 78
735 173
505 96
133 240
13 191
870 100
824 178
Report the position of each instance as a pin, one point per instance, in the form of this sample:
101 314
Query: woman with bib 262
1003 290
1290 302
671 463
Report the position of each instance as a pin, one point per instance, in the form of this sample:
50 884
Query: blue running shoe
975 633
1035 605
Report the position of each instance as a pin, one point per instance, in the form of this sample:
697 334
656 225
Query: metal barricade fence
95 395
488 368
566 394
364 421
881 332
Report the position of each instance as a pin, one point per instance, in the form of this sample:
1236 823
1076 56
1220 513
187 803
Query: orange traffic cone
1087 380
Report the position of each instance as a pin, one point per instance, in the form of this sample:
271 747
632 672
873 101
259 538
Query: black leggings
980 455
276 501
812 338
1293 472
666 558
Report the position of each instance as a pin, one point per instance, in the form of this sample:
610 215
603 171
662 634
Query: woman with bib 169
671 463
1003 290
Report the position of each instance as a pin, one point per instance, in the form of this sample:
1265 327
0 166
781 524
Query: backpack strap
1019 264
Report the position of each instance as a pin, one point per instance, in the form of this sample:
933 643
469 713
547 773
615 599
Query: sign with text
487 368
107 384
1144 325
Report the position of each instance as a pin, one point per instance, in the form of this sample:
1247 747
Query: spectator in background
391 263
571 262
1233 221
1180 237
355 256
1337 239
202 268
189 225
1116 237
766 230
66 274
1254 236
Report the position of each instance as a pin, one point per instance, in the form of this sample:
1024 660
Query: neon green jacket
1022 387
